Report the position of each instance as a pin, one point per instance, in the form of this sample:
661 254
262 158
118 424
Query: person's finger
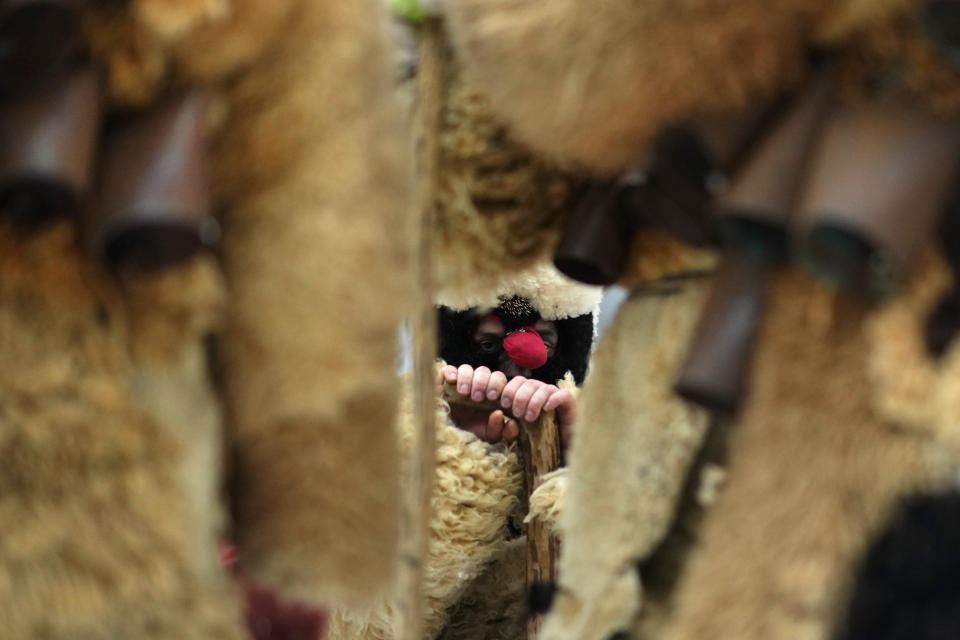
511 430
523 395
464 379
537 401
506 398
498 380
481 376
562 397
450 373
494 426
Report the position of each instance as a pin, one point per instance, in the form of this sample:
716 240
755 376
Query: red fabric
525 347
269 618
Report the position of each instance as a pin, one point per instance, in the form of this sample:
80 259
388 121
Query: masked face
488 340
468 337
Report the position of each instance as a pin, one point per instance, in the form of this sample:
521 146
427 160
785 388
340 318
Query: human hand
525 397
480 384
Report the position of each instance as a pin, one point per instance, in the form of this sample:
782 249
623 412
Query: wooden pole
540 451
540 448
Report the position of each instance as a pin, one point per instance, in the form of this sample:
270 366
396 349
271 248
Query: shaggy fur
499 209
494 608
131 57
476 489
170 316
846 413
314 248
627 463
666 62
99 495
590 83
804 489
655 256
309 172
885 47
154 44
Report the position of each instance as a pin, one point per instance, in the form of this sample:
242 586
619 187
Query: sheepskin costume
113 432
846 410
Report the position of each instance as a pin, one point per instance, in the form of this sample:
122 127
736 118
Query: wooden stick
540 450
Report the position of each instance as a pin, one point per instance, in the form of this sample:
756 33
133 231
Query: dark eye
487 346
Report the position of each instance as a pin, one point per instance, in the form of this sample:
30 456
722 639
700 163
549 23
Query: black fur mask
574 339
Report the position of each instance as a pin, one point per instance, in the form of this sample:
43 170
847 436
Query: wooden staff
540 451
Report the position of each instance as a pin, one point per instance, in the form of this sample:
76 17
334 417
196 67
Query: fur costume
120 423
846 412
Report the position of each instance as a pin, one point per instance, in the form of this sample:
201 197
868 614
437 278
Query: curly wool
499 208
494 608
477 489
546 502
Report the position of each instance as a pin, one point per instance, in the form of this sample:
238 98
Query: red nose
526 348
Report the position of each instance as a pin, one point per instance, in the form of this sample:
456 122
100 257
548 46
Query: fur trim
554 295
